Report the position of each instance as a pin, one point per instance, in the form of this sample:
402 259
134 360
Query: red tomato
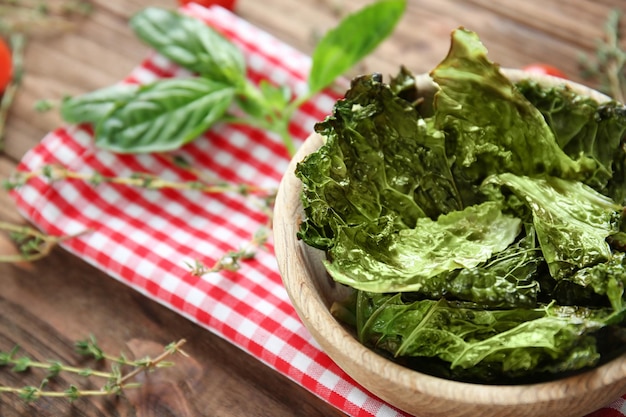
6 65
227 4
544 69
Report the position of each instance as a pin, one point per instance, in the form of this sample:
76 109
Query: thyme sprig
150 181
32 244
609 65
120 376
231 260
34 17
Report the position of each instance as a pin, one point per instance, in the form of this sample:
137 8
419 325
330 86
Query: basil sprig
168 113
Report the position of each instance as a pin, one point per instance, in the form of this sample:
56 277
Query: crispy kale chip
411 259
572 221
582 126
381 160
473 93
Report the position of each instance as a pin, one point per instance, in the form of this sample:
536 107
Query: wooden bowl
312 292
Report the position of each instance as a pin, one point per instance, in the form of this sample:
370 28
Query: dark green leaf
380 159
164 115
190 43
484 344
29 393
55 368
582 126
72 393
507 280
265 102
7 357
89 347
356 36
22 364
606 278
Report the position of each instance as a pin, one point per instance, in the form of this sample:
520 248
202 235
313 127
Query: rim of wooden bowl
311 291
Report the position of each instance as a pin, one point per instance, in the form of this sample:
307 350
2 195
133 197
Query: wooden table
46 306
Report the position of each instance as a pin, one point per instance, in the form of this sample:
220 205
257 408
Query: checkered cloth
147 238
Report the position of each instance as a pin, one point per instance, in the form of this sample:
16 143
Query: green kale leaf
380 159
583 126
572 220
408 259
480 344
507 280
490 126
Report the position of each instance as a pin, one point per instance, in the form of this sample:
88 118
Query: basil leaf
94 106
164 115
355 37
190 43
264 102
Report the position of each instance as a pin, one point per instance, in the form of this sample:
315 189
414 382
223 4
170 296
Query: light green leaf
405 260
94 106
572 220
356 36
190 43
489 123
164 115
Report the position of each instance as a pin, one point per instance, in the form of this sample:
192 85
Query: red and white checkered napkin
146 238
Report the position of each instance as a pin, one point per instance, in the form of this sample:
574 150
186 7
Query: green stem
287 141
116 381
71 369
287 115
45 242
265 115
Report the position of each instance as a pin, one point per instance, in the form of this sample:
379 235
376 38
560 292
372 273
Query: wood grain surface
47 305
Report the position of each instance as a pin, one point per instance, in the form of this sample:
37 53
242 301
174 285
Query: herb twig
32 244
115 380
231 260
609 65
138 179
34 17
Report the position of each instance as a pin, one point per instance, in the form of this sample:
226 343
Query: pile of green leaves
168 113
484 237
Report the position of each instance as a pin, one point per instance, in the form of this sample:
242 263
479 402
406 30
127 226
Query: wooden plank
47 305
